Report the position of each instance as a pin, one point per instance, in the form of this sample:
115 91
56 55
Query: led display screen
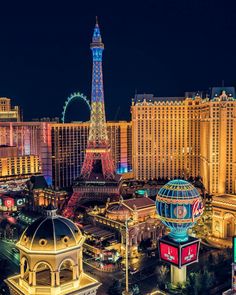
169 253
189 253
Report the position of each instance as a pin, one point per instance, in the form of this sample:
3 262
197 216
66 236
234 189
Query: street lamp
126 292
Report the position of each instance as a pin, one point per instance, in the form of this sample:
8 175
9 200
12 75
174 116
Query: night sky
164 47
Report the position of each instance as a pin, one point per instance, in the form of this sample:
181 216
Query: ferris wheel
74 96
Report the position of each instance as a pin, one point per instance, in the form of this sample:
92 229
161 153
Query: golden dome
50 233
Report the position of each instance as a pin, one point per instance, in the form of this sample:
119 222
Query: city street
145 276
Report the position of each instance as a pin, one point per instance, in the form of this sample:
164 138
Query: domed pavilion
51 259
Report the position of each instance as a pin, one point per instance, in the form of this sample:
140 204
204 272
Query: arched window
25 269
43 274
66 271
229 225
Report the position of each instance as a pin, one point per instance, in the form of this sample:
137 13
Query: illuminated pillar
30 277
34 278
75 272
80 261
57 278
52 279
22 270
178 275
126 291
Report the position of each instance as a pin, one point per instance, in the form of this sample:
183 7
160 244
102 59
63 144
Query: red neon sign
169 253
9 202
189 253
197 209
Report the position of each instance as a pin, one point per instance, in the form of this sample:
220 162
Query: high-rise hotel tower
186 136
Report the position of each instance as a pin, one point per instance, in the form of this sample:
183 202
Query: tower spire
98 140
96 39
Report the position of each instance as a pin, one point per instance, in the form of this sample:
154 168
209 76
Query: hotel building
218 140
167 137
19 167
14 166
143 224
61 147
186 136
69 142
30 138
51 259
7 112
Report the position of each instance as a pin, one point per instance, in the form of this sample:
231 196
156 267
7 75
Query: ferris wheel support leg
178 275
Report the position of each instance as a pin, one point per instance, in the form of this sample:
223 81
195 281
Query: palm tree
162 272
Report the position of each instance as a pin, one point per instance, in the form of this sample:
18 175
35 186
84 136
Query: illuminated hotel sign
179 254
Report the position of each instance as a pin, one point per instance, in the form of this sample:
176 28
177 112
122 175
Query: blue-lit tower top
98 131
97 41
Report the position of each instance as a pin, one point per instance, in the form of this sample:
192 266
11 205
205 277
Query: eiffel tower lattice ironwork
98 165
98 154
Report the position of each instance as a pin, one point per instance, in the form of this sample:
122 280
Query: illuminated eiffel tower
98 179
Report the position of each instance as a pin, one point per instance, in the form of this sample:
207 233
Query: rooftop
50 233
224 200
151 98
139 203
212 93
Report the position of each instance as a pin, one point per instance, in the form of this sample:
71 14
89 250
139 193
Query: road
145 278
12 258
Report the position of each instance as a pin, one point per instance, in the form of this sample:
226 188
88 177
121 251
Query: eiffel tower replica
98 179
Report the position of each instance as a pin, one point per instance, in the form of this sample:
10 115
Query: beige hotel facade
186 136
167 137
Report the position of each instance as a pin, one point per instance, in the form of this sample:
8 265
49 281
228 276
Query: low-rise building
51 259
142 223
19 167
223 218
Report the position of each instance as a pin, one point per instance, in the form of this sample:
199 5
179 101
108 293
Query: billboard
179 254
169 253
8 203
189 253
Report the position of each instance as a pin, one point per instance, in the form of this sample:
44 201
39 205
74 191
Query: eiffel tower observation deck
98 179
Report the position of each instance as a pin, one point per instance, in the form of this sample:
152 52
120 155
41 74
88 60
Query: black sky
164 47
